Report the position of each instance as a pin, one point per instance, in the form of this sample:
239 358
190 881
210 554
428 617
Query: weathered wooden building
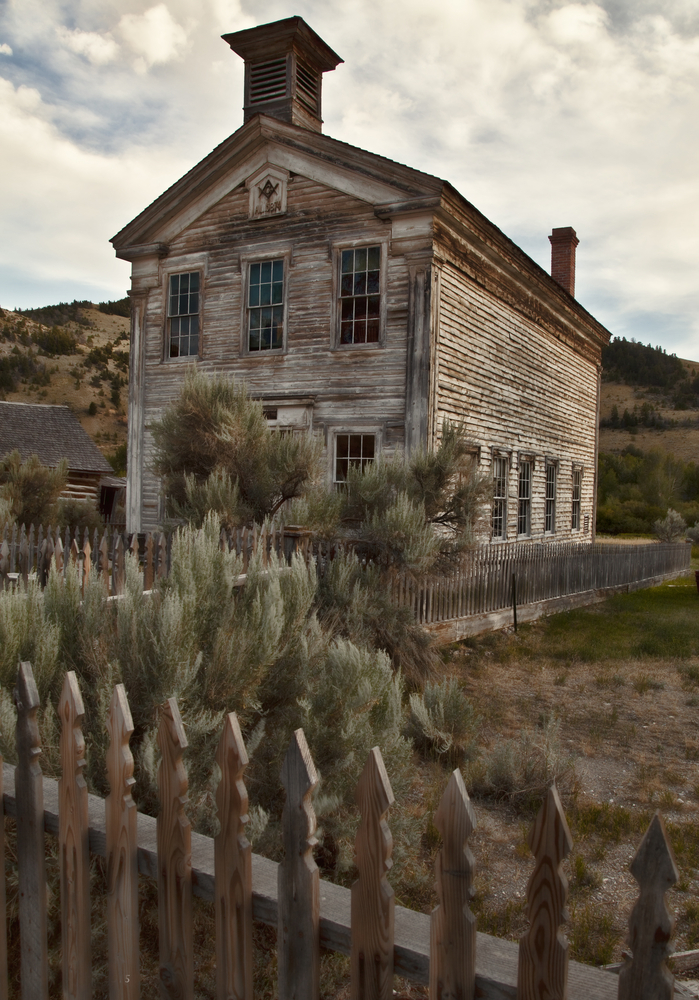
362 299
53 433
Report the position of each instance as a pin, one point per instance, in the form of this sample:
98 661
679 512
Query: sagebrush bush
520 770
671 528
443 723
260 649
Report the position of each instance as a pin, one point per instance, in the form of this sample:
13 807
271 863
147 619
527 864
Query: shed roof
52 433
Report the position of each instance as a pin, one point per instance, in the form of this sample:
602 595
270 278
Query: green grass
658 622
592 934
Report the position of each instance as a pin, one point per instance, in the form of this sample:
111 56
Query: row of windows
359 303
524 498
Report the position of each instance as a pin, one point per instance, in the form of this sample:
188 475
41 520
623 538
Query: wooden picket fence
493 577
381 938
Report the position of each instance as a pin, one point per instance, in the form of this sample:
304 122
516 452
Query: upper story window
266 305
183 314
499 498
360 295
550 509
577 496
524 503
353 449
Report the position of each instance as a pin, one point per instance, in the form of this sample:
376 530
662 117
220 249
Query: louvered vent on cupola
284 65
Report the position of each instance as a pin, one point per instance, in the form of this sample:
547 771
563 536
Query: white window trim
335 317
555 464
577 467
182 265
335 430
530 461
245 261
499 454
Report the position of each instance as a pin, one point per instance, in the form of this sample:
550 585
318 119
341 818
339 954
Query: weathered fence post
233 870
174 834
373 902
543 949
298 934
29 791
453 926
73 846
148 565
122 847
645 974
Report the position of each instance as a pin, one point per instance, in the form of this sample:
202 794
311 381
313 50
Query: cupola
284 66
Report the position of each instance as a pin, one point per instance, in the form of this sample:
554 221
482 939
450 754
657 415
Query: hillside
649 400
75 354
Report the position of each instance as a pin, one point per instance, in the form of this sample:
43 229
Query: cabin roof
51 433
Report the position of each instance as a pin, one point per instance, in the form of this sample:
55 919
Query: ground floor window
499 498
550 510
353 449
524 507
577 495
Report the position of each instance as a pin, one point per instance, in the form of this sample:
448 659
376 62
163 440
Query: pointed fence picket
380 937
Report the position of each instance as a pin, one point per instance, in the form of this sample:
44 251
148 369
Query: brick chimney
284 66
563 244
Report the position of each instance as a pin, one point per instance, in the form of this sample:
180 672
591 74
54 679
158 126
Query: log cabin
53 433
363 300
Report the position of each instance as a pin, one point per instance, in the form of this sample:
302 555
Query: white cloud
541 112
5 49
97 49
154 36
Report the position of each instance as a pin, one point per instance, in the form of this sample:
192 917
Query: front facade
359 299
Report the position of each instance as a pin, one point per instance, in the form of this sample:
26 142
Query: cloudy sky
541 112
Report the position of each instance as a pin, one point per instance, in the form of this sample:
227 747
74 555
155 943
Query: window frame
183 267
336 432
503 499
551 464
336 316
576 502
528 461
246 261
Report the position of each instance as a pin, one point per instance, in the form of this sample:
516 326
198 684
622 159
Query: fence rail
382 939
491 578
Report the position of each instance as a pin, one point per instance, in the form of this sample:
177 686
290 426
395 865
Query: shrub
30 489
671 528
78 514
442 722
520 770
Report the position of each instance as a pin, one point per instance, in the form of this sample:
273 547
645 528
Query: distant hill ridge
636 364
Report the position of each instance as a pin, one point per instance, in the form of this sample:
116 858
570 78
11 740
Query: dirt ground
632 729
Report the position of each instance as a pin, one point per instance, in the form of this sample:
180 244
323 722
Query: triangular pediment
262 151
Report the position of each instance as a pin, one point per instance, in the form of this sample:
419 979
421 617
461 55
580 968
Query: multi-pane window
499 497
577 491
360 298
266 306
524 505
353 449
183 315
550 510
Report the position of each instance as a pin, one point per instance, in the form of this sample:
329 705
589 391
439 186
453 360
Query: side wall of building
524 395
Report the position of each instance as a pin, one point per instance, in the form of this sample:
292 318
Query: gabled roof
391 187
367 176
52 433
